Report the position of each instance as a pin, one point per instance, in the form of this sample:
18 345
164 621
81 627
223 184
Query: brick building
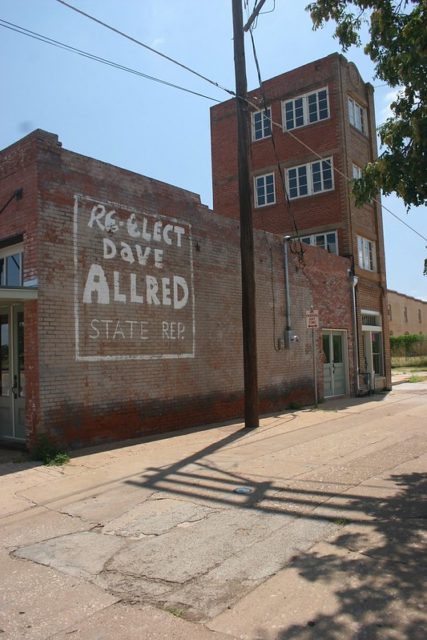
406 314
323 133
120 308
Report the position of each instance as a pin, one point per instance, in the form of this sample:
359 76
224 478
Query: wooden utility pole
246 229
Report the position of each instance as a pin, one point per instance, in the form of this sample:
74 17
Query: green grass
409 369
415 378
175 611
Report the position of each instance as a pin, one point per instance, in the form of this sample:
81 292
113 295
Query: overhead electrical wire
320 157
336 170
113 64
86 54
146 46
232 93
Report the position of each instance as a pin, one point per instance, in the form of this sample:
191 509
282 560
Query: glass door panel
12 373
6 408
334 372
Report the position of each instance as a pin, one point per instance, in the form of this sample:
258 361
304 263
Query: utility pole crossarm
254 15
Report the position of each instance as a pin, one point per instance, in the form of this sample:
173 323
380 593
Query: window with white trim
11 266
357 172
357 115
309 179
305 109
265 191
367 254
326 241
261 124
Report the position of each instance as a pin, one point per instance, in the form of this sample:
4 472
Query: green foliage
405 341
47 452
415 378
412 346
398 48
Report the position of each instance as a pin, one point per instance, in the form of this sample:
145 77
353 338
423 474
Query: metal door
334 373
12 373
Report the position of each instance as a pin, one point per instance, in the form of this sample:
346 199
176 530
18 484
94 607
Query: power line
86 54
336 170
105 61
279 166
146 46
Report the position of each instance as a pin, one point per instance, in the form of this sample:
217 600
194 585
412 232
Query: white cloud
157 42
389 97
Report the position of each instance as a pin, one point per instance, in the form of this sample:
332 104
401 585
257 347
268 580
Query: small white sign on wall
312 319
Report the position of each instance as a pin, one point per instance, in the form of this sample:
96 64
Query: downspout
288 329
354 281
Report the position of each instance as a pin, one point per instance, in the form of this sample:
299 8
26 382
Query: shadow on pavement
395 544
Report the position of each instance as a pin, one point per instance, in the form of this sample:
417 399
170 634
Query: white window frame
266 124
312 238
367 254
357 115
12 250
264 177
356 171
305 109
309 174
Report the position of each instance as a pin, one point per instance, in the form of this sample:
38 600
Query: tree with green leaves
397 46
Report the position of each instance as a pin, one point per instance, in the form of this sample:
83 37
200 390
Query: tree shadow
377 577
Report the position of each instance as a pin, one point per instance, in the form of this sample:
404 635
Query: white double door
334 364
12 373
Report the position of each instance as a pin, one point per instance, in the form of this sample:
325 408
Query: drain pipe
354 280
288 330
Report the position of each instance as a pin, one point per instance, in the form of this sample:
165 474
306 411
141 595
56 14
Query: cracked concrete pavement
312 526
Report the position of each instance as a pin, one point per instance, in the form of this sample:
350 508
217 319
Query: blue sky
153 129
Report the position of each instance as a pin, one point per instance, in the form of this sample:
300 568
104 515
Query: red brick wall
18 170
336 137
86 387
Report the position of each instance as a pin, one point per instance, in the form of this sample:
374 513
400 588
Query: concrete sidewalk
310 527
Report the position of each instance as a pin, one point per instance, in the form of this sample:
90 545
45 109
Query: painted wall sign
134 292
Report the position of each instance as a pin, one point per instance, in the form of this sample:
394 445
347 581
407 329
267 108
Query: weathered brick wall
19 222
336 137
406 314
142 340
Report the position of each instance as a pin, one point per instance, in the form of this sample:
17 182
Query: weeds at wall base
48 452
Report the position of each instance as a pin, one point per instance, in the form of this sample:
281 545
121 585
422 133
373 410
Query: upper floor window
420 319
261 124
11 266
390 315
265 191
357 115
309 179
326 241
357 172
306 109
367 254
405 314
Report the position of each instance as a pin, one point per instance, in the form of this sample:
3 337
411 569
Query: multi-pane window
11 266
326 241
306 109
357 172
309 179
261 124
265 192
357 115
367 255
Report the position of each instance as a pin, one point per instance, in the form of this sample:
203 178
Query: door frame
16 403
344 339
